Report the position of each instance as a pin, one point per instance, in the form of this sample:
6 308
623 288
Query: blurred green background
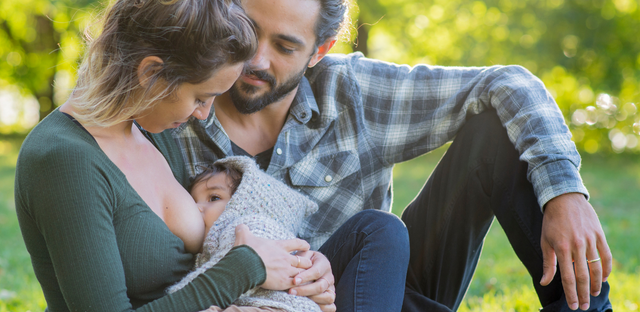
587 52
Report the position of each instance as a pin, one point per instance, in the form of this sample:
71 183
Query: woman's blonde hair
193 38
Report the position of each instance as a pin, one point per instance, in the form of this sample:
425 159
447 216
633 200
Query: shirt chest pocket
334 182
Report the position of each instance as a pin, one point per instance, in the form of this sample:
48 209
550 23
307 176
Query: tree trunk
361 40
47 45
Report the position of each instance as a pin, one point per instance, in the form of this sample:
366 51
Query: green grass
19 289
500 284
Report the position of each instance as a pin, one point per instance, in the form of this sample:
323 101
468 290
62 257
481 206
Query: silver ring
594 260
298 257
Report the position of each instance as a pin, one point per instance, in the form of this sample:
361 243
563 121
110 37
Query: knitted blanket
271 210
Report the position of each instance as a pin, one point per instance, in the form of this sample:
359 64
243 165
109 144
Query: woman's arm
84 270
68 206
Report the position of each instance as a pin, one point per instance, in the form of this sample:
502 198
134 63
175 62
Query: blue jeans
369 255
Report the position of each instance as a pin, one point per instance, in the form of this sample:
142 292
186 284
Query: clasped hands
573 238
307 273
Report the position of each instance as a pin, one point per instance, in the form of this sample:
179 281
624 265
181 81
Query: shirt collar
304 103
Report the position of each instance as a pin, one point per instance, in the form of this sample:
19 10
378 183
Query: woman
101 203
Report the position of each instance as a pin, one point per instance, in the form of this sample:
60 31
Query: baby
235 191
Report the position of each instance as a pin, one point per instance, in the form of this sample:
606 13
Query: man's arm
410 111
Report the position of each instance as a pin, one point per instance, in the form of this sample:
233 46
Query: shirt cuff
556 178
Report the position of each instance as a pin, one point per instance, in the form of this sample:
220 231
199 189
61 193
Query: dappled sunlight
620 122
39 39
582 50
18 113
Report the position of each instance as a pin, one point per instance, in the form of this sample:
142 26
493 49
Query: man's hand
316 282
572 234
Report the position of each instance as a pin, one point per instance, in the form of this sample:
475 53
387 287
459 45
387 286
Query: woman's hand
316 282
276 255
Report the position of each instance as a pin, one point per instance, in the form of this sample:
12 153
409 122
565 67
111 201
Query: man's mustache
260 74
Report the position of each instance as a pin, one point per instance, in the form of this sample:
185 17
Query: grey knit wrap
271 210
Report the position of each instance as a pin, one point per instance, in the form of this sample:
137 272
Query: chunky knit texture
271 210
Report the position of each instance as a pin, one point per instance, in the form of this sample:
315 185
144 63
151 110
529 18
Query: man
334 128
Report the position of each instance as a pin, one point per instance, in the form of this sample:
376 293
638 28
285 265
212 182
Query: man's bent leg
369 255
479 176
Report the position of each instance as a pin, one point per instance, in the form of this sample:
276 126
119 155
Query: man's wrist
565 196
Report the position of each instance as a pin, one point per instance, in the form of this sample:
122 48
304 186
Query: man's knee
385 228
483 136
486 124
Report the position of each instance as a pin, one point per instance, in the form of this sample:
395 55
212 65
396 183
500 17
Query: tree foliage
40 44
586 52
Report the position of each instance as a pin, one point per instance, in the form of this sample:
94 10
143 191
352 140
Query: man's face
286 39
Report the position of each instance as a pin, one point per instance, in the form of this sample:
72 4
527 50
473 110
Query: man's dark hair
234 177
332 18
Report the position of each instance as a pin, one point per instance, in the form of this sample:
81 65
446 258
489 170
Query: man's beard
246 105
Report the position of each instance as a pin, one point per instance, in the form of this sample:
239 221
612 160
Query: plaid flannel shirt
353 118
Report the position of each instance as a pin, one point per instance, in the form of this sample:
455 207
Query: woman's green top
94 243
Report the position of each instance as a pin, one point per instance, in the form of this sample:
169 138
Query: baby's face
211 196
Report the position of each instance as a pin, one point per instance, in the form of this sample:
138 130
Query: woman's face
189 100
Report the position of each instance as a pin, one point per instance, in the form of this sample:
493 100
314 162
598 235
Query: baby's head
212 189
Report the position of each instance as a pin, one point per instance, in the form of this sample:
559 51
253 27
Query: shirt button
279 151
303 115
328 178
